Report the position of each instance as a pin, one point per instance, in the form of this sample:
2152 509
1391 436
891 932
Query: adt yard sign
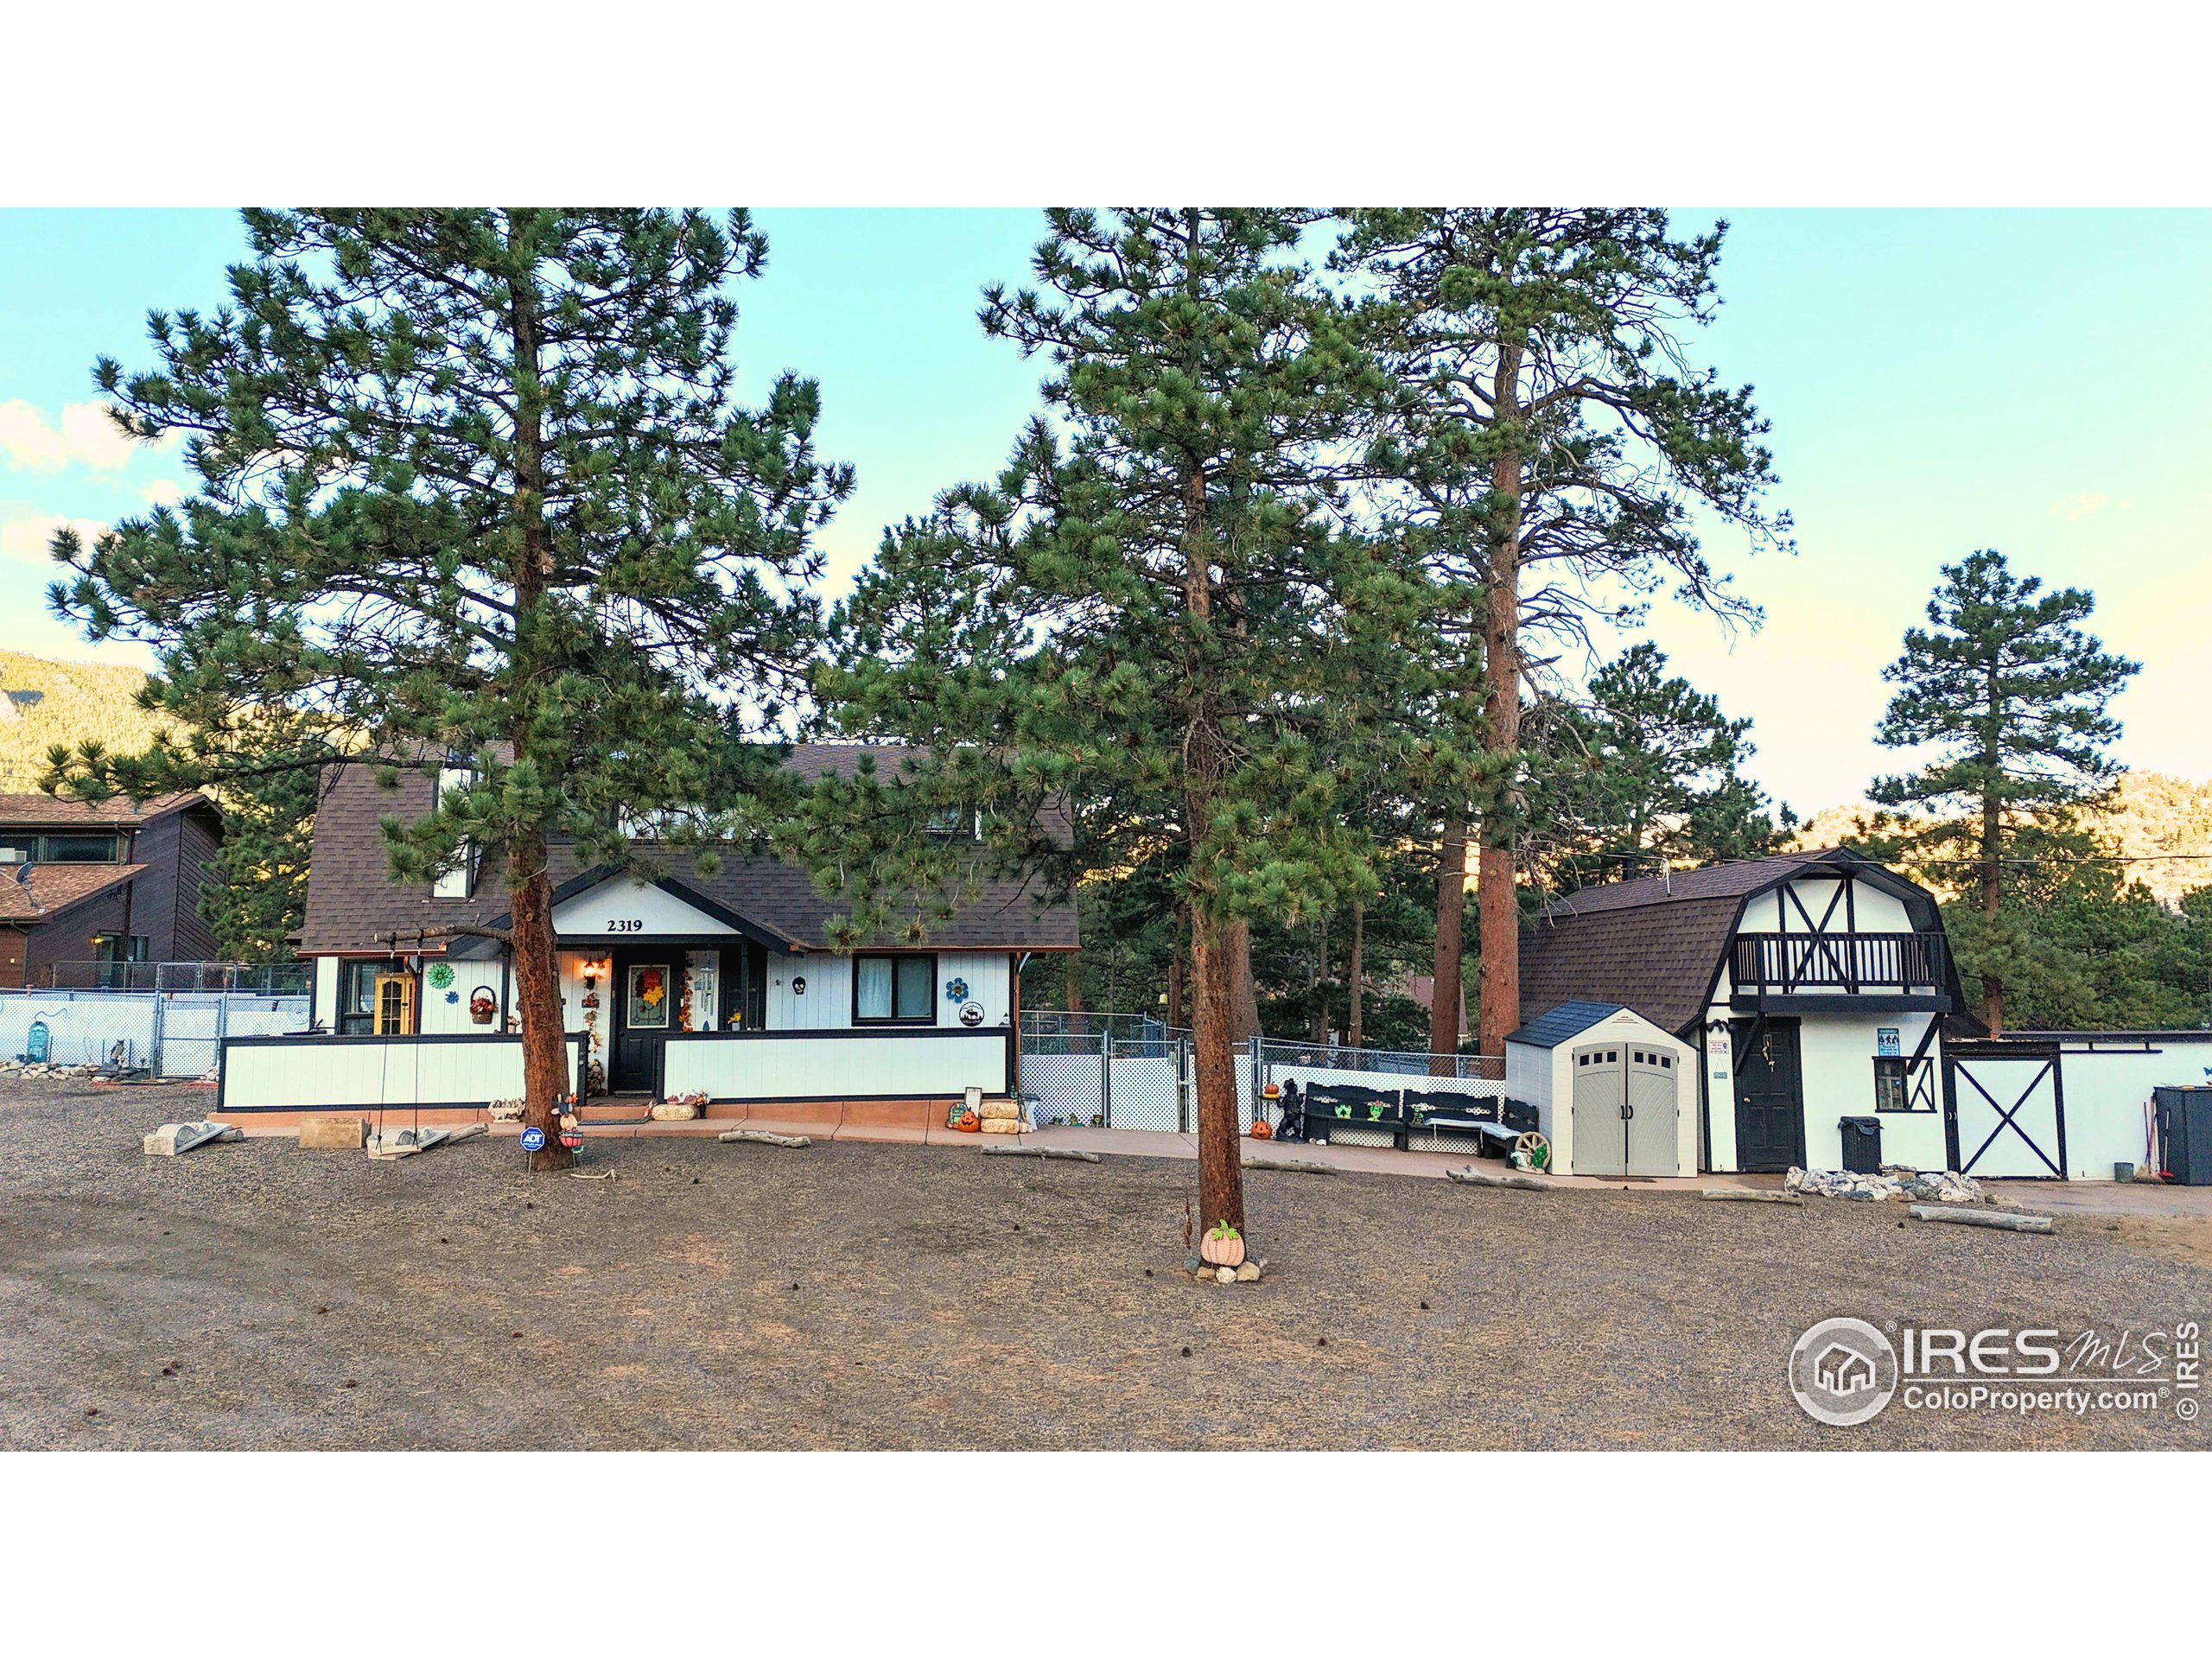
533 1139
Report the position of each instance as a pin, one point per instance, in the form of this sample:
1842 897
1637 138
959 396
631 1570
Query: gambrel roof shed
1657 944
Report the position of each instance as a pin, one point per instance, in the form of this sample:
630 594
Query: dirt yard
255 1295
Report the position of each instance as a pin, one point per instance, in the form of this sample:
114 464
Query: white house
671 980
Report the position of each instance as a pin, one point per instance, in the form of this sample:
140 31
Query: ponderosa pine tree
1198 620
1643 772
1557 442
2013 694
473 484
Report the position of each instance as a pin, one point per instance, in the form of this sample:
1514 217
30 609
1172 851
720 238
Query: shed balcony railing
1781 964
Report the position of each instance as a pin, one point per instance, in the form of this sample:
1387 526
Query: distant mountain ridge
2154 813
48 703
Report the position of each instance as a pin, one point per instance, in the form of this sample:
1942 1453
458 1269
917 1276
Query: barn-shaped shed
1614 1093
1814 985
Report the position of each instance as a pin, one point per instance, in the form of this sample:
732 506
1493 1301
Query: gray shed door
1600 1109
1654 1105
1625 1108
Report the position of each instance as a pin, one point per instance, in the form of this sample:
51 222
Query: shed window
894 990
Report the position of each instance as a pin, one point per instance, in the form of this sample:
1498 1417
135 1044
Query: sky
1938 381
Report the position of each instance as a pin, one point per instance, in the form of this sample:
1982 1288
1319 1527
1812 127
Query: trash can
1862 1144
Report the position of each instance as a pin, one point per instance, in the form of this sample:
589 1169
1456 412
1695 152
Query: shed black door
1770 1095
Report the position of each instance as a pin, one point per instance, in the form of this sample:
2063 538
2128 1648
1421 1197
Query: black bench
1327 1109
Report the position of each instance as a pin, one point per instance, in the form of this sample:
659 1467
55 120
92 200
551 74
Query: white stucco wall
1836 1051
2107 1090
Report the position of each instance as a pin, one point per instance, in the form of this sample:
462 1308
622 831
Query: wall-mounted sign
1886 1041
971 1013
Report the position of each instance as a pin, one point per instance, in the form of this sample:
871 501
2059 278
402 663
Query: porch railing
1783 963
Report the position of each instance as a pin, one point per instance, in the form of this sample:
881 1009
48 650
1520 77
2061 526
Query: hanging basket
482 1005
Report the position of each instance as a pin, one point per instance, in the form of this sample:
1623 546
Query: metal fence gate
2004 1108
1126 1072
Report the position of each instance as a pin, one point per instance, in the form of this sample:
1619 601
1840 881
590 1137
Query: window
22 846
647 1002
894 990
956 822
1903 1085
357 996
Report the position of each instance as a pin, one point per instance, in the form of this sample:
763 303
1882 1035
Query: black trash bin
2186 1134
1862 1144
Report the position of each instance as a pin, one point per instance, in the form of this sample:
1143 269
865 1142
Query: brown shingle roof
1654 944
47 888
45 810
352 898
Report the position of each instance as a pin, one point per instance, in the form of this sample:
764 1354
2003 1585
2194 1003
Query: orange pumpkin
1260 1129
1223 1246
970 1123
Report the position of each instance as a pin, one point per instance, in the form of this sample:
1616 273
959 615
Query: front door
644 1009
1770 1096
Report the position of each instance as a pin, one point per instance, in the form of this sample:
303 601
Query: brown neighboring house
86 889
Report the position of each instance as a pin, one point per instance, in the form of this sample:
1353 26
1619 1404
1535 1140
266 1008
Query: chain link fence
176 1030
257 979
1128 1072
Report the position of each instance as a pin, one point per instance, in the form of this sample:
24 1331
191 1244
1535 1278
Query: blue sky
1938 381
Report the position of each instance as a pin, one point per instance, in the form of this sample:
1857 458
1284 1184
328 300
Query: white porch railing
309 1073
936 1062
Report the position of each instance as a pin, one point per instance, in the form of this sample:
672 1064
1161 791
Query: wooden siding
839 1065
268 1074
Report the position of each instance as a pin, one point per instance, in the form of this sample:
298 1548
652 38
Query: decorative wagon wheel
1533 1150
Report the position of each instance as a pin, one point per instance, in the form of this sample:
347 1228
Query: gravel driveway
255 1295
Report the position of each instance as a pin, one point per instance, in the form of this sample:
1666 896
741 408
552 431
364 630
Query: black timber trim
759 933
1843 1002
1842 864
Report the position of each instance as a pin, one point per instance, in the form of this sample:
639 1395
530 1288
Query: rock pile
17 1068
1912 1185
1245 1272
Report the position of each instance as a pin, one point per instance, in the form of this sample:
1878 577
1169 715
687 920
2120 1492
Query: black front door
645 1013
1770 1095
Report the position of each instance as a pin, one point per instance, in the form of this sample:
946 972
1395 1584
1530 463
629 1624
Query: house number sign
625 925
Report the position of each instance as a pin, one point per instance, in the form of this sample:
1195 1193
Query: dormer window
955 823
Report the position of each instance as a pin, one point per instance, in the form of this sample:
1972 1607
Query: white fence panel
836 1065
2107 1082
310 1073
172 1032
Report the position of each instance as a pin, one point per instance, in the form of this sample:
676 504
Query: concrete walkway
2089 1198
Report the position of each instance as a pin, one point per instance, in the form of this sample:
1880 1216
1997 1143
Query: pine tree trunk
1179 944
545 1077
538 991
1074 981
1446 994
1495 893
1243 990
1317 1024
1221 1173
1993 987
1356 978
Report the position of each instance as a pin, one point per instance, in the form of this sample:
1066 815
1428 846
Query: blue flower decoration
955 990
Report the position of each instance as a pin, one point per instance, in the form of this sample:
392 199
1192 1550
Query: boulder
333 1134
